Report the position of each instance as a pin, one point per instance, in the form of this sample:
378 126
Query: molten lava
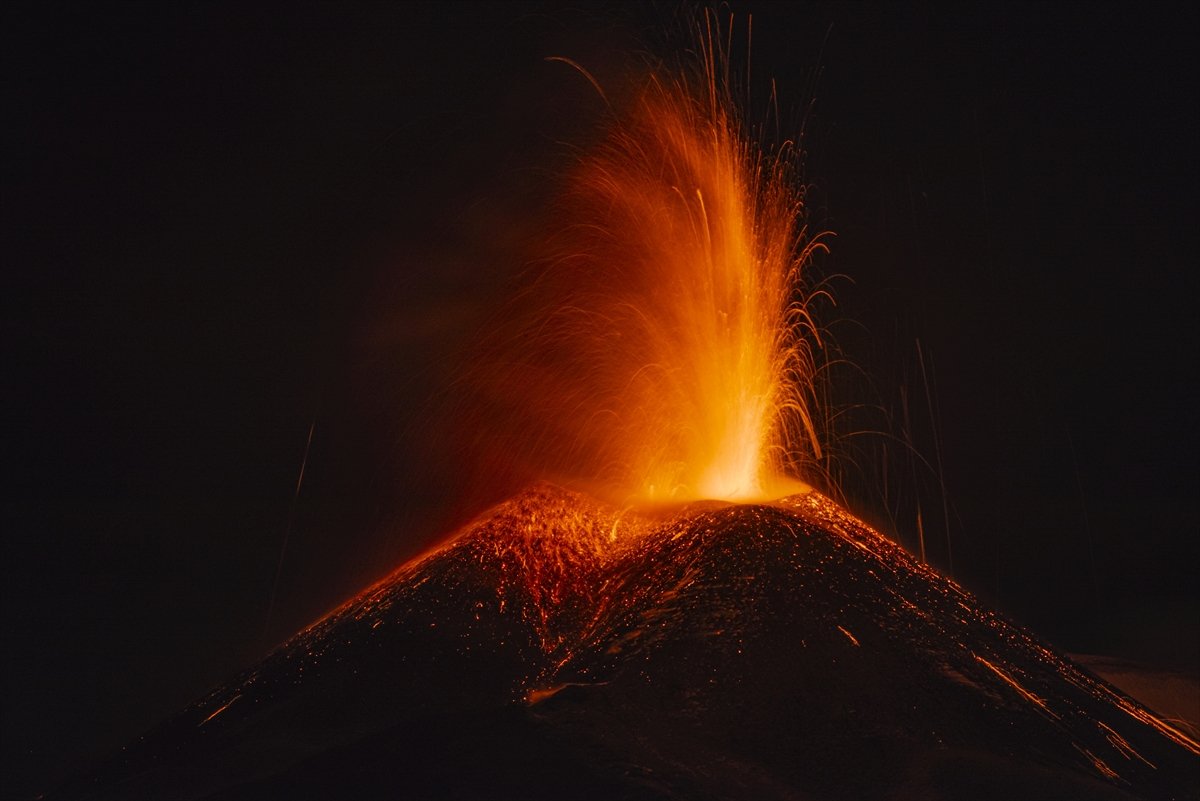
664 348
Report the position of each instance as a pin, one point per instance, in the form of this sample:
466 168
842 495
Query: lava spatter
665 345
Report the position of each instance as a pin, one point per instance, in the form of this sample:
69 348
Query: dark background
226 224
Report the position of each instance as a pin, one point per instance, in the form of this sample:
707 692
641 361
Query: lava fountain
564 645
664 347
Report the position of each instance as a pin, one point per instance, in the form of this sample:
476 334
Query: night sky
226 224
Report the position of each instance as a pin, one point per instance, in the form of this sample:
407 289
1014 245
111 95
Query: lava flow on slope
559 647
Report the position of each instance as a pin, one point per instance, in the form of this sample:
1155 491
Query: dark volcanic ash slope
558 648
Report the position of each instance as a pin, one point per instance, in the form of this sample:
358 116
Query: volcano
559 647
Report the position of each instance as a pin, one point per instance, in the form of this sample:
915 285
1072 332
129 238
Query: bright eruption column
663 348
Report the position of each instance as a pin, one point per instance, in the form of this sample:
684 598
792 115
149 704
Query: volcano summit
561 648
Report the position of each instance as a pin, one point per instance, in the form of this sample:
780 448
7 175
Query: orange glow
1011 682
220 709
665 347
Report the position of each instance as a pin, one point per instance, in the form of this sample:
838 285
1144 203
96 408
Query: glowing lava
665 347
558 645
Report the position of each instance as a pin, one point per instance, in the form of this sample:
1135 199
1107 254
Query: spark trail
665 347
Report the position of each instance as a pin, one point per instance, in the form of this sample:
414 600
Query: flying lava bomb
670 609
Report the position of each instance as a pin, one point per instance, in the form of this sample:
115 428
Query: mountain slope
558 647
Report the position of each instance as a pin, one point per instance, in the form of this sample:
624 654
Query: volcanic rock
558 647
